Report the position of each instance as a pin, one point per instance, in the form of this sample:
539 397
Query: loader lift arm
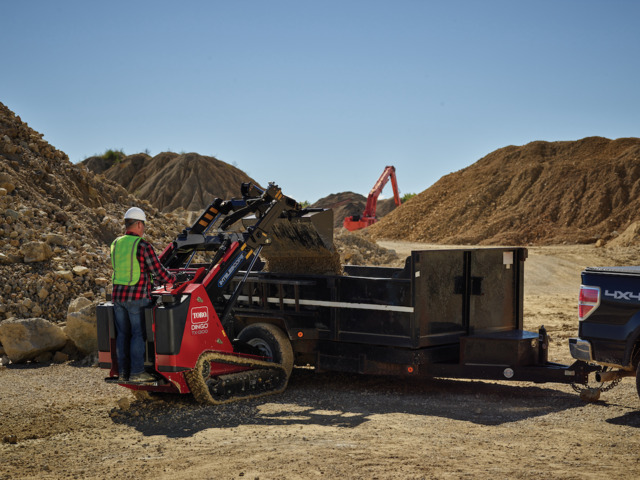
368 217
224 214
234 251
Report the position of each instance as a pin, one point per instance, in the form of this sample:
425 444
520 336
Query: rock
60 357
12 214
81 325
71 350
7 182
64 274
627 238
61 217
54 239
36 252
25 338
80 271
590 394
3 191
78 304
124 404
44 357
11 439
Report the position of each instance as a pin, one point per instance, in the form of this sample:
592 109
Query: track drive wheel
271 342
262 377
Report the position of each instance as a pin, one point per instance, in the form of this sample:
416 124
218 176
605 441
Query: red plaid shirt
149 264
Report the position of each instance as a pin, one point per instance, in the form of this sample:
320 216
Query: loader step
159 383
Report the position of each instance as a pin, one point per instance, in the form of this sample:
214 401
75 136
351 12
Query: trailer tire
271 342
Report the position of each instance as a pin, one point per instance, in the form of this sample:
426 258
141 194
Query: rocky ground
63 421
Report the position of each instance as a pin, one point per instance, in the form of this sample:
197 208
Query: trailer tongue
233 327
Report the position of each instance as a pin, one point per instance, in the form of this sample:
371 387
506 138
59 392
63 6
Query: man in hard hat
133 260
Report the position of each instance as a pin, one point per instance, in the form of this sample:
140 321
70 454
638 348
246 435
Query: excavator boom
368 217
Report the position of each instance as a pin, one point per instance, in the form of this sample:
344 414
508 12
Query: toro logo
199 320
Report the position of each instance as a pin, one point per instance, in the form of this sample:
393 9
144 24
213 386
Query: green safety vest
126 268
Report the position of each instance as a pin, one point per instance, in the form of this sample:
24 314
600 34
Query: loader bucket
302 244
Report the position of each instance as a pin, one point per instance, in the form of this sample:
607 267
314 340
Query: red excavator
368 217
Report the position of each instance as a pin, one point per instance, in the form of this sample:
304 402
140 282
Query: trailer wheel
271 342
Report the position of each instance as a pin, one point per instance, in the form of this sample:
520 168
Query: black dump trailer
454 313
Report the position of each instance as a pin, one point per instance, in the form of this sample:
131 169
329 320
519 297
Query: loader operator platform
134 261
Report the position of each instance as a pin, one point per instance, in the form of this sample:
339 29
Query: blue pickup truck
609 331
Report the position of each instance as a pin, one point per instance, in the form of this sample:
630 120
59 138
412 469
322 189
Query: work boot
143 377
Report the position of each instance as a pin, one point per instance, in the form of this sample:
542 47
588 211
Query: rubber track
198 385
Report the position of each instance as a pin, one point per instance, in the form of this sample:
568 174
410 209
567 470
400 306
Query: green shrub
114 156
407 196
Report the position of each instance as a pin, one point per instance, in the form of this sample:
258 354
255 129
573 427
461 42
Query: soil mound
346 204
171 181
538 194
356 248
56 222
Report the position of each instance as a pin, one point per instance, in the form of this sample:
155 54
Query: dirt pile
54 218
346 204
171 181
538 194
356 248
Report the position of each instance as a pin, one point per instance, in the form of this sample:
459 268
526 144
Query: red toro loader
191 341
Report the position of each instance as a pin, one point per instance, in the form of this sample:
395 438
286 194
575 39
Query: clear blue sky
319 96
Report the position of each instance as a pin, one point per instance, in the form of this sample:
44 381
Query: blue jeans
130 341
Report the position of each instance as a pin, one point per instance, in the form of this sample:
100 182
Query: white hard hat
135 213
